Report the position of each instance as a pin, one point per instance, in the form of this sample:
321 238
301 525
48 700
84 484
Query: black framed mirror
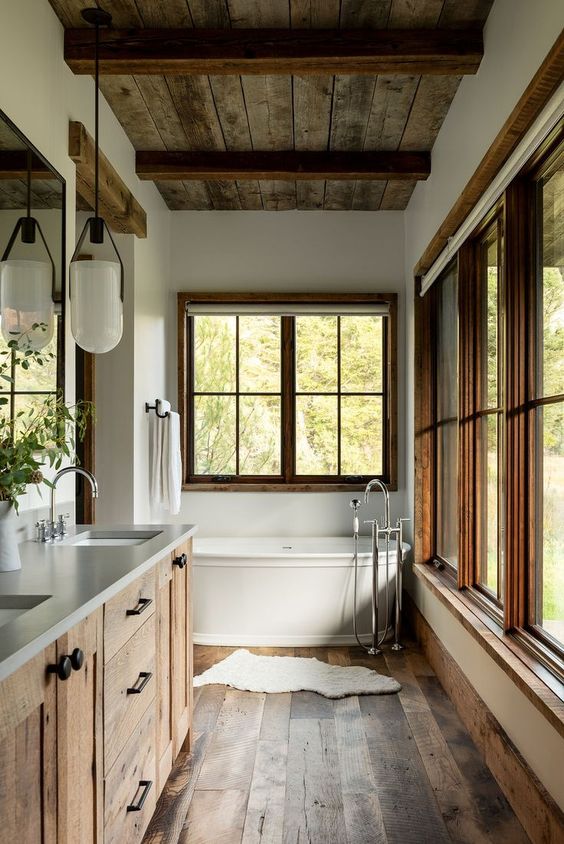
29 182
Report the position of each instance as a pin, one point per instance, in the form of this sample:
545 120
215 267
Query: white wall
296 251
517 37
40 95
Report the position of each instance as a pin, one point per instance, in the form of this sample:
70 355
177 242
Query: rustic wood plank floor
301 769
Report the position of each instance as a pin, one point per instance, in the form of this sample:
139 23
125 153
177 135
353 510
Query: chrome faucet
387 531
377 482
56 531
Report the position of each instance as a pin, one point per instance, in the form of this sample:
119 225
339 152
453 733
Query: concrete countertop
76 580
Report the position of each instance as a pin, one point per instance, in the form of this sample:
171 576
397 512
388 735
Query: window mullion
288 401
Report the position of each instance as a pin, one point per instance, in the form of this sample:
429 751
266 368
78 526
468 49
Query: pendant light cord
96 120
29 182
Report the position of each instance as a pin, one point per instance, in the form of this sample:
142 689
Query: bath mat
251 673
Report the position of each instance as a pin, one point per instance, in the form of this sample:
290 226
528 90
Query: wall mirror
29 184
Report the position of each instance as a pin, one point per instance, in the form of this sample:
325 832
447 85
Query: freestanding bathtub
284 591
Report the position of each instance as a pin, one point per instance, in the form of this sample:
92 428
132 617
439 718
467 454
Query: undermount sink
101 538
12 606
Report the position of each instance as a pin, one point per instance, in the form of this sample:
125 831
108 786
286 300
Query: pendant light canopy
27 287
96 285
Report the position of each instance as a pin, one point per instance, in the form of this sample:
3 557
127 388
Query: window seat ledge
539 685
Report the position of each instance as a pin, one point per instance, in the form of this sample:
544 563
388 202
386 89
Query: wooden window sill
266 487
540 686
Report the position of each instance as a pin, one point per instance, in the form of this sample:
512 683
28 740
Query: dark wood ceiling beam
283 166
275 51
13 165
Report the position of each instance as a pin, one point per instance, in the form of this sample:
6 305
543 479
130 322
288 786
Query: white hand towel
174 463
166 462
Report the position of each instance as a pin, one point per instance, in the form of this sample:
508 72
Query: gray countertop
75 580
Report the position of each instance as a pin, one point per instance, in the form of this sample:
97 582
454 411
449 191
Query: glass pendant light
27 287
96 286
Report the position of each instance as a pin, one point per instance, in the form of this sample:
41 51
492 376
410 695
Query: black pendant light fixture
27 287
96 286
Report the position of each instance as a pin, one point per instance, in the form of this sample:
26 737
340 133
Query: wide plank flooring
301 769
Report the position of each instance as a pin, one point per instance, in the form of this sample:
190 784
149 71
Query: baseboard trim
538 812
233 640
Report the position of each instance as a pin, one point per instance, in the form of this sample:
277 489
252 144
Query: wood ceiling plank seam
126 101
314 14
223 194
364 191
210 13
192 98
155 90
415 14
430 106
250 193
163 13
396 195
254 13
365 14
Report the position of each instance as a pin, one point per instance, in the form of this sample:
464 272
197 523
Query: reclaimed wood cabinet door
181 647
164 674
28 752
80 735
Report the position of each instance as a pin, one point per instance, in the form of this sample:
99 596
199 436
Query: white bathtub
284 591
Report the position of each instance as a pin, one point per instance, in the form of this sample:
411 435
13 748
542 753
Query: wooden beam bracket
118 206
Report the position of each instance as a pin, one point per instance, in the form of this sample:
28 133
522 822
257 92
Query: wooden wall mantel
276 51
292 165
118 206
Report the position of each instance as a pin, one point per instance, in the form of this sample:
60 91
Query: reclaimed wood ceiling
283 113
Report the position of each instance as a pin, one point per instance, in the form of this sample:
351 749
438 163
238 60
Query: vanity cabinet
90 728
50 742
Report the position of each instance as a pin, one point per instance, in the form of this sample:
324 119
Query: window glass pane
26 411
316 435
490 557
316 354
214 354
39 377
447 417
550 539
259 435
361 354
259 354
361 435
551 376
447 492
215 435
492 345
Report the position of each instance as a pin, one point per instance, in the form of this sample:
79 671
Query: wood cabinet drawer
125 613
130 793
129 688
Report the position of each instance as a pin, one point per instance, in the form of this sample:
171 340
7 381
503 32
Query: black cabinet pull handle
77 659
146 786
180 561
142 605
144 676
62 669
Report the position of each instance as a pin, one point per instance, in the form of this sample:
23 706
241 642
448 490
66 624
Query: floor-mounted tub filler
290 591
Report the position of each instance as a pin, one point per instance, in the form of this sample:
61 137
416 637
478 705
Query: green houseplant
43 435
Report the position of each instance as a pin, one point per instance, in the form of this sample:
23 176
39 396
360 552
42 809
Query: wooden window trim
294 483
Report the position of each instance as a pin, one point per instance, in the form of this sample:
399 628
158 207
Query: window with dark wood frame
289 394
510 411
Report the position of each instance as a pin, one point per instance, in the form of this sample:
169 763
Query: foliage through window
288 398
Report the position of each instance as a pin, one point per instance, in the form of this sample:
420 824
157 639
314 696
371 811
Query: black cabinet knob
180 561
62 669
77 659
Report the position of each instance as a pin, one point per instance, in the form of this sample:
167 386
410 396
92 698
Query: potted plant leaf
30 439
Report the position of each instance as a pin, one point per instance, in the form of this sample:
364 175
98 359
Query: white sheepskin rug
250 673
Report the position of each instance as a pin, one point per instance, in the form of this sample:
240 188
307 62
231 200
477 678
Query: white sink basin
12 606
101 538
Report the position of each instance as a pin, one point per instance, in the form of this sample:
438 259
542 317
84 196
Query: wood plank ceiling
282 113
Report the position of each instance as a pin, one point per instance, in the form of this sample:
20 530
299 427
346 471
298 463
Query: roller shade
287 308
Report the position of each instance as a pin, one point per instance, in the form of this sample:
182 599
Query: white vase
9 551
